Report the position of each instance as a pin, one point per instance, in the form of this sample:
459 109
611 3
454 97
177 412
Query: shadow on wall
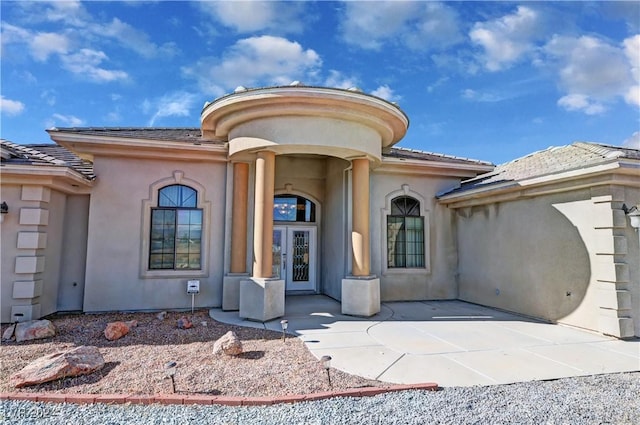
575 262
523 256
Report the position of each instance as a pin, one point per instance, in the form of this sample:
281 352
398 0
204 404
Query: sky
485 80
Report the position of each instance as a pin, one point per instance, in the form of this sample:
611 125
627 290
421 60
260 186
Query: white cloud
11 107
633 141
40 45
49 96
418 25
65 120
85 63
134 39
581 102
507 39
386 93
176 104
44 44
593 72
338 80
632 51
253 16
475 96
263 61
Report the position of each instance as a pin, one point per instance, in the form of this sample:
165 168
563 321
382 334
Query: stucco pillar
360 218
239 217
261 296
263 222
360 294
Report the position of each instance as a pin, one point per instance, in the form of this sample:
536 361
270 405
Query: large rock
34 329
228 344
116 330
77 361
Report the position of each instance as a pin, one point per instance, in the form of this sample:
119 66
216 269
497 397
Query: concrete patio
452 343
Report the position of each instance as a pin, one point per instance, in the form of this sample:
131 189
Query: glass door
294 256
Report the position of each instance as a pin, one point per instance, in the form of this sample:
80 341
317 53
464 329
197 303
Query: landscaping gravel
601 399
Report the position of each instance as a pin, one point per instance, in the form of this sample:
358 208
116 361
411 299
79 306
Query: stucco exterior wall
632 197
115 277
334 251
53 253
32 247
9 251
74 253
437 279
564 257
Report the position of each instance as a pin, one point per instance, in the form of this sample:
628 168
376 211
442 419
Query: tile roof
552 160
189 135
398 152
45 154
192 135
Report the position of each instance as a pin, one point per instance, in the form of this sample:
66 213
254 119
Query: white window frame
152 202
424 213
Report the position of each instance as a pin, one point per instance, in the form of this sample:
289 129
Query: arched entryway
295 242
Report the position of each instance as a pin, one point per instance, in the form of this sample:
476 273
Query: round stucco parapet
223 115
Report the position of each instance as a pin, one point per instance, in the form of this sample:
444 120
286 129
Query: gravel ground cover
600 399
134 364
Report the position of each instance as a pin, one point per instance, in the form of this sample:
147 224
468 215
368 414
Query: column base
231 290
360 296
261 299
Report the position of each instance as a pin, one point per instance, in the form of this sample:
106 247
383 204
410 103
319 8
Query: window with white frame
405 234
176 230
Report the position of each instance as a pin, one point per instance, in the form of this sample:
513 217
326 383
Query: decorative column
361 290
360 217
262 297
263 227
239 218
238 266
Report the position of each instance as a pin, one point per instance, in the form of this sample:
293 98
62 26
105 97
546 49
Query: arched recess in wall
404 192
178 178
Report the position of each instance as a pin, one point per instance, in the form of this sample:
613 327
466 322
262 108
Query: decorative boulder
8 333
184 323
116 330
34 329
77 361
228 344
161 315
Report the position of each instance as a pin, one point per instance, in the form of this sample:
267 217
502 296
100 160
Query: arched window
405 234
293 208
176 230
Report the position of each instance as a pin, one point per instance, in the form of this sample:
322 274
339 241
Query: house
299 190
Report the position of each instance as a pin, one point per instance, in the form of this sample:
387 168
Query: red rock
34 329
116 330
228 344
77 361
184 323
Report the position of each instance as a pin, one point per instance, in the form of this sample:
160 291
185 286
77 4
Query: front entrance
294 256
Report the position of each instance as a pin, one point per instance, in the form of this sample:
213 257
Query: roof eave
61 178
412 166
623 172
87 146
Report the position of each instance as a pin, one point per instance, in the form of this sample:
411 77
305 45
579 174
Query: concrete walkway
452 343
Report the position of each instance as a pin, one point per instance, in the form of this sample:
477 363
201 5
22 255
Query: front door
294 256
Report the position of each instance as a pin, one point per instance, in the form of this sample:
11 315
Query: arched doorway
295 242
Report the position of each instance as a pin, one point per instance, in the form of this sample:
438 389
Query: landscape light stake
170 371
15 324
284 325
326 363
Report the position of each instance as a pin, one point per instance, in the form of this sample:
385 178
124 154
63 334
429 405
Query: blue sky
485 80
